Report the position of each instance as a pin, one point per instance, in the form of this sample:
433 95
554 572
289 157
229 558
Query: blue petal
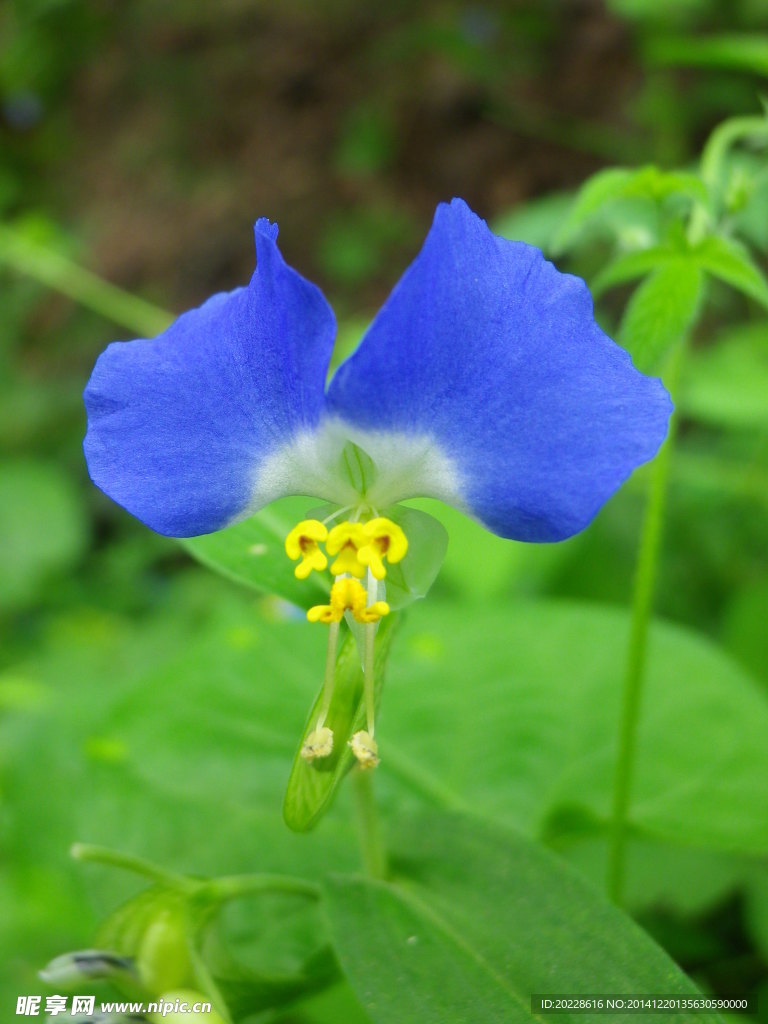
487 349
179 426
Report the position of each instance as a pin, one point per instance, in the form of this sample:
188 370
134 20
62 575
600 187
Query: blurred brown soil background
178 124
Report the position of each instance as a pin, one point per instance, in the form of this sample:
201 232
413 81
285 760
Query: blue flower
484 381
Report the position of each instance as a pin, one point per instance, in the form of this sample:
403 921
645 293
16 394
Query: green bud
163 961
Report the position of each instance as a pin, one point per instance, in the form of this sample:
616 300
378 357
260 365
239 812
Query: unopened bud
71 968
163 959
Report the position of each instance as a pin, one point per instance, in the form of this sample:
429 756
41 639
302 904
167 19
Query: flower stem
129 862
646 572
330 674
371 846
65 276
369 682
236 886
369 665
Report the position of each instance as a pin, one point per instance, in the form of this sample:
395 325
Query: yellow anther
383 539
365 749
302 542
348 595
319 743
345 540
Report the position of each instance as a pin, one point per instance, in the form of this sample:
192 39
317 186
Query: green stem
723 137
646 572
372 848
129 862
329 677
711 168
369 683
61 274
236 886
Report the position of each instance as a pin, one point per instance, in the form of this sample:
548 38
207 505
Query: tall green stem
58 272
371 845
237 886
646 572
129 862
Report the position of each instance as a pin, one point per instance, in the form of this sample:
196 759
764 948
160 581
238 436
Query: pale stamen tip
365 749
319 743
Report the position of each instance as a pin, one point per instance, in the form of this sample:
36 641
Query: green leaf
477 921
332 1006
249 990
661 312
253 553
42 527
726 384
357 466
410 579
615 183
630 265
689 880
600 189
311 787
728 261
511 709
756 909
536 221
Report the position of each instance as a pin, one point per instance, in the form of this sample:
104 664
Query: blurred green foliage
150 705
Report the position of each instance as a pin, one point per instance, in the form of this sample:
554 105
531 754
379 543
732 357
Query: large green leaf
513 710
42 527
476 922
190 721
661 312
186 721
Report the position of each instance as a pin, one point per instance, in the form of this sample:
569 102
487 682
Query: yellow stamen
344 540
319 743
383 539
302 542
365 749
348 595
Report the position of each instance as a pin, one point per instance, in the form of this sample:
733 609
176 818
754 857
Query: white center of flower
388 467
